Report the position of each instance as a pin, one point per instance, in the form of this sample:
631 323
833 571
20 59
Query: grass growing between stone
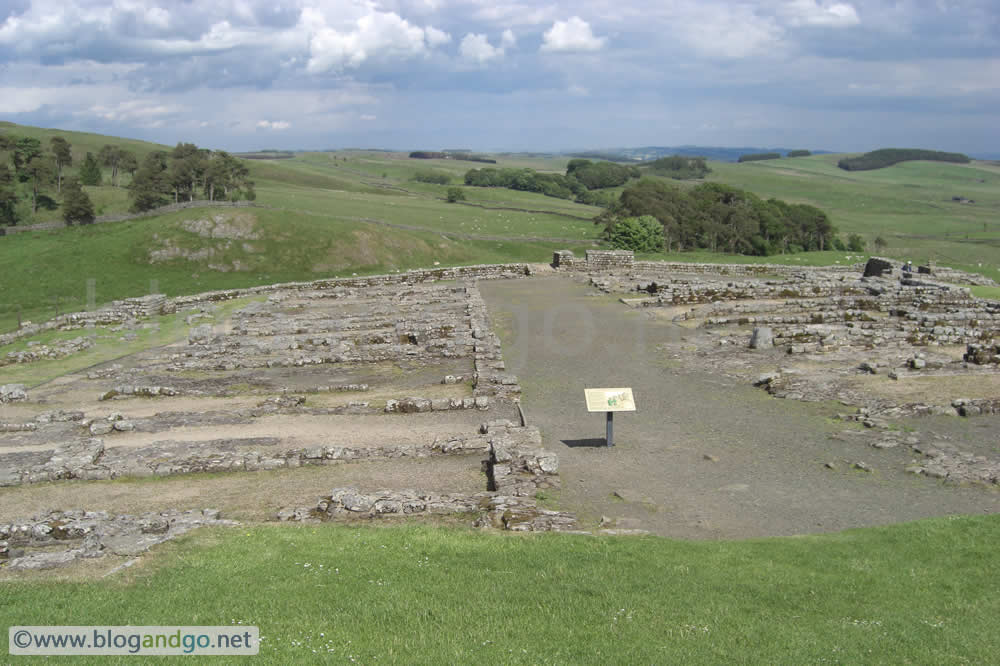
108 344
992 293
921 592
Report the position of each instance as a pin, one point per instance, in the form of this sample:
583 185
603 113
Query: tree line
719 218
757 157
435 155
184 172
30 171
884 157
582 181
678 167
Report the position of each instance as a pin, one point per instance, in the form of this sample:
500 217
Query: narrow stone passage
702 457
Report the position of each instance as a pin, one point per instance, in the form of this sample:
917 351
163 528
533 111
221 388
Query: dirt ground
703 456
246 496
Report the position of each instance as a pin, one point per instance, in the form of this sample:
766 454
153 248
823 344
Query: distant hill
82 142
878 159
650 153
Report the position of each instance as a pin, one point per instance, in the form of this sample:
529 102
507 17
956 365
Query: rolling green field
920 593
54 266
908 204
357 211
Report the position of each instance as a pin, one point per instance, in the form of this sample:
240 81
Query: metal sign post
610 400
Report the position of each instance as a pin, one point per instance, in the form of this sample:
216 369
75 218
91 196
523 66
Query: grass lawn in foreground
923 592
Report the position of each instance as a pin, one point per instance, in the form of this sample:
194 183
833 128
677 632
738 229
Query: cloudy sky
509 75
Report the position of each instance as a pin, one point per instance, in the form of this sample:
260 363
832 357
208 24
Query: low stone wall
563 259
156 304
673 268
609 260
477 272
490 379
46 353
516 514
62 537
517 467
601 260
517 464
982 354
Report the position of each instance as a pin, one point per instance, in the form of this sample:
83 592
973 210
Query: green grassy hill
337 213
107 199
909 204
82 142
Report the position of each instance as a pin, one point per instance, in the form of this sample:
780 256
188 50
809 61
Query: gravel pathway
702 457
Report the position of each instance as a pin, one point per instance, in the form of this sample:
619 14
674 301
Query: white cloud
725 32
814 13
382 34
436 37
512 13
273 124
153 112
477 48
572 35
507 39
23 100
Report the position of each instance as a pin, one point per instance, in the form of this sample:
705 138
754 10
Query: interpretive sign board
609 400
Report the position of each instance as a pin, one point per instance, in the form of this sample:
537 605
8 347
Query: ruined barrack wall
157 304
623 261
478 272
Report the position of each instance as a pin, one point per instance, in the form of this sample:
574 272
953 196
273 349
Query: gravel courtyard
703 456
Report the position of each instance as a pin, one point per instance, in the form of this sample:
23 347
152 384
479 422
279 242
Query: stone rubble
516 514
46 352
12 393
59 538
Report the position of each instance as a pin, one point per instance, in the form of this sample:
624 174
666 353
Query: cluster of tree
799 153
756 157
31 169
465 157
600 175
525 180
884 157
432 176
722 218
679 167
602 199
266 154
582 181
180 174
600 155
